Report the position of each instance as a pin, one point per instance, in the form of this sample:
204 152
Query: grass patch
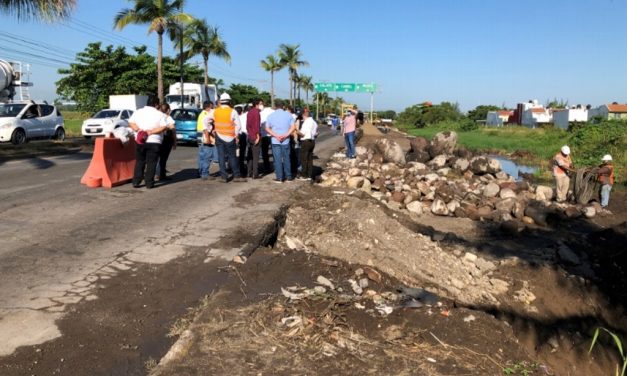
73 128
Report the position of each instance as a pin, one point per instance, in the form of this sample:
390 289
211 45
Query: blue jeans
227 150
282 165
349 139
605 194
206 155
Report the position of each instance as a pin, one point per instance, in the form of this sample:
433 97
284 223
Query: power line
36 49
34 42
35 55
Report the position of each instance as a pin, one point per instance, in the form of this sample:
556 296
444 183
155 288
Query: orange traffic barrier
112 163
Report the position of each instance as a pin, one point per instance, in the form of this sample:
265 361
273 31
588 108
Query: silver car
20 122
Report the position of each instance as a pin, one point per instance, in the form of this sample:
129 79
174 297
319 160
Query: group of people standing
223 132
563 166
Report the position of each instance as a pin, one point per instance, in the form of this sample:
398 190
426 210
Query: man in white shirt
308 132
152 121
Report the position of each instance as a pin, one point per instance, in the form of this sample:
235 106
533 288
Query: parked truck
127 102
13 85
193 97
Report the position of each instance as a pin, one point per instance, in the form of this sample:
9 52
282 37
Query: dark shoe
136 186
150 186
256 177
165 178
290 179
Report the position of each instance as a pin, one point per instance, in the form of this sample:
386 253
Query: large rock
519 210
418 156
437 162
390 150
445 192
505 205
453 206
507 193
415 207
544 193
398 196
355 182
439 207
484 165
418 144
443 143
461 164
491 190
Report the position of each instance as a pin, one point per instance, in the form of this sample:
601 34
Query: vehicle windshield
106 114
182 115
11 109
176 98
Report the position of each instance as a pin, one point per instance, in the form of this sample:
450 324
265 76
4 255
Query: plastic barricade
112 163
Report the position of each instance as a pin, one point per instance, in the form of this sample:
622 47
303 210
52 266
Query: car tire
87 137
18 137
59 134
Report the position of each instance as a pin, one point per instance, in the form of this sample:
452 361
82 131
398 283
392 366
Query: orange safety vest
224 124
603 178
559 157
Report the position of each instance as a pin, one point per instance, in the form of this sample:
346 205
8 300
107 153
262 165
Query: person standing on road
308 132
562 165
266 141
335 124
206 141
242 143
280 126
253 127
169 142
148 123
227 127
606 178
348 131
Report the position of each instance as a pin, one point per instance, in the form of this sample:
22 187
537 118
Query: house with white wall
534 116
498 118
614 111
562 118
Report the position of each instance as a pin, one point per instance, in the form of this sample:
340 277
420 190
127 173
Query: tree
421 115
45 10
291 57
246 93
100 72
307 85
271 64
160 15
481 112
202 39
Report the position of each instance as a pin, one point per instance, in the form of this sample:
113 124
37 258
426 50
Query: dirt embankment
353 286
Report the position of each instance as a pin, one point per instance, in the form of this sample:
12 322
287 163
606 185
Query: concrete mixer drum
7 77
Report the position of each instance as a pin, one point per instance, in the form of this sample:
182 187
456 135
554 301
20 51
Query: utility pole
181 64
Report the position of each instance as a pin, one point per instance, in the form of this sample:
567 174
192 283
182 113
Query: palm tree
291 57
307 85
271 64
46 10
160 15
202 39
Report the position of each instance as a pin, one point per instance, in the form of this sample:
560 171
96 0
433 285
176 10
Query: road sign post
348 87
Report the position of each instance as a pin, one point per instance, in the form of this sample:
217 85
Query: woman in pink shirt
348 130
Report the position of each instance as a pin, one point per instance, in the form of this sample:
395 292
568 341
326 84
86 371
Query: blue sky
467 51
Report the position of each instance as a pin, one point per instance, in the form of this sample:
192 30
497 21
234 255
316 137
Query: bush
590 142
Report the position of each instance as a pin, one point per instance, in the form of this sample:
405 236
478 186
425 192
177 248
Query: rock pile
439 177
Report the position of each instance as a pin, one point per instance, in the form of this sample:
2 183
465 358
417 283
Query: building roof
617 107
505 113
538 110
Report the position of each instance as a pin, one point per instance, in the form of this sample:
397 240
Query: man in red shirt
253 128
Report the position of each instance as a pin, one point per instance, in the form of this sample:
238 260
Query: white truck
127 102
13 85
193 97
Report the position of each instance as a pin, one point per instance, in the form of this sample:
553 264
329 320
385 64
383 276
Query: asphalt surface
61 241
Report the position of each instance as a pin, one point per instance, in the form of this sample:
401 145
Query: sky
471 52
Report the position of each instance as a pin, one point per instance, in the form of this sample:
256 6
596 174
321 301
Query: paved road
61 240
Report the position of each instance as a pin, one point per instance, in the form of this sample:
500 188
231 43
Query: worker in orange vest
562 165
606 177
227 128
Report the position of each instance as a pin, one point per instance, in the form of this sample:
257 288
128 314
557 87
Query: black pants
146 156
226 151
164 154
306 158
242 145
265 155
252 159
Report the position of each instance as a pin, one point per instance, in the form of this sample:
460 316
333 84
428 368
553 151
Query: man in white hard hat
606 178
227 127
562 165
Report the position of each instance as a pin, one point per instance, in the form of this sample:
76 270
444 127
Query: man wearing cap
562 165
227 127
606 178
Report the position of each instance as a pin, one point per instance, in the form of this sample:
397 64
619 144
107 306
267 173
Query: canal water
512 168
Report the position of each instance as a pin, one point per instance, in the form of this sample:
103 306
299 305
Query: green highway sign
325 87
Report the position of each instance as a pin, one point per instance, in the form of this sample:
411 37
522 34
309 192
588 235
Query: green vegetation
204 40
46 10
246 93
619 346
522 368
422 115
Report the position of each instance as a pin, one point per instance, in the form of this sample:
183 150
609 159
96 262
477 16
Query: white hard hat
565 150
606 158
225 97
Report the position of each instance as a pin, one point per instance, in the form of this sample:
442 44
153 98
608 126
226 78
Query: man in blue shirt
280 125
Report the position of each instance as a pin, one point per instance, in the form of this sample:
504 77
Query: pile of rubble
437 176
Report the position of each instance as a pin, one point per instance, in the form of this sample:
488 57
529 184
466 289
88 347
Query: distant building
564 117
612 111
498 118
534 116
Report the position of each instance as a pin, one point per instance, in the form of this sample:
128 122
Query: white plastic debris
291 295
384 309
321 280
469 318
291 321
355 286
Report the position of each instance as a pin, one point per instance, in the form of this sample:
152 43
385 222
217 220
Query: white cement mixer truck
12 81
